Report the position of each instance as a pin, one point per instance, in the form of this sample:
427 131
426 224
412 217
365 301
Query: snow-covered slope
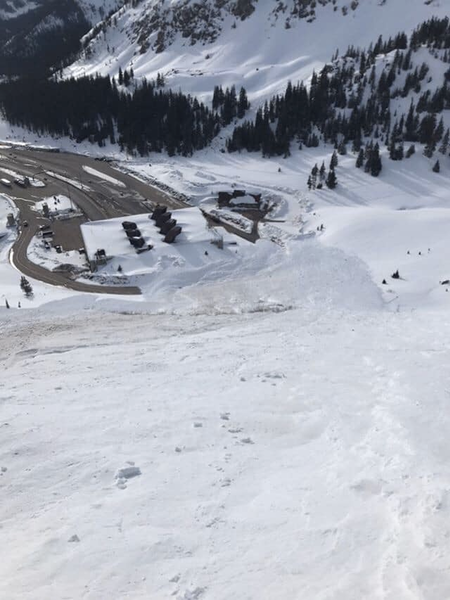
267 421
259 51
41 33
270 456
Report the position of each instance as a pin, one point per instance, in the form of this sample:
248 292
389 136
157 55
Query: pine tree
411 150
334 160
322 172
25 286
314 172
360 159
160 81
331 179
342 148
437 167
376 166
428 151
243 103
393 149
443 148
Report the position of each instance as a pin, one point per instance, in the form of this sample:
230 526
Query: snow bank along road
97 197
301 455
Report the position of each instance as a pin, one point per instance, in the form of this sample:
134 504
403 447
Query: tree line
140 118
354 98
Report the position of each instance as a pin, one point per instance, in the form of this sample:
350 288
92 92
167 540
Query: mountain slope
301 455
215 44
35 36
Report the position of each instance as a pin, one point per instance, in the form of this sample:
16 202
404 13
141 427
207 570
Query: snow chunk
128 472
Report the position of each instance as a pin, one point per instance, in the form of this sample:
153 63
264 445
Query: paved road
99 199
30 269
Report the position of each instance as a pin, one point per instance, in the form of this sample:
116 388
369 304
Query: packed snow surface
301 454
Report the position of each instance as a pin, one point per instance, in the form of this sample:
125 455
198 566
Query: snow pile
6 207
103 176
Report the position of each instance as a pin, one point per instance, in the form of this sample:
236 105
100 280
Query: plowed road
98 198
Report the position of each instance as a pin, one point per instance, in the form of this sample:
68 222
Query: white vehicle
6 182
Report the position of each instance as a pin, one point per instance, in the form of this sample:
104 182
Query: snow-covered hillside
40 34
264 455
266 421
259 52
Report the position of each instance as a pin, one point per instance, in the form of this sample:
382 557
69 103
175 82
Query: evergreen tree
25 286
334 160
376 165
443 148
373 163
411 150
360 159
314 172
437 167
428 151
322 173
331 179
243 103
160 81
342 148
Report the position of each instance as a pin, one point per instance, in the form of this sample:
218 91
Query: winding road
97 198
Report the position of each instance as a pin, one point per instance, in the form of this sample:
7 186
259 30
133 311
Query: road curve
20 260
96 202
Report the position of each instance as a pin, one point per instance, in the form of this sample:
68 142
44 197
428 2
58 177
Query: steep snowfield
259 53
295 455
280 413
